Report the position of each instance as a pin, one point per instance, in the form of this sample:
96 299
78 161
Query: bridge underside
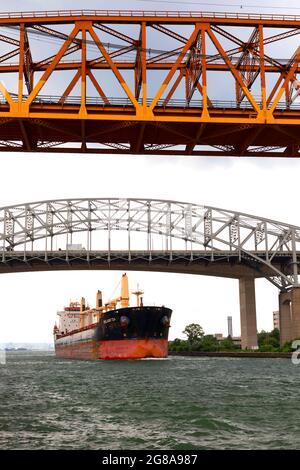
222 265
128 135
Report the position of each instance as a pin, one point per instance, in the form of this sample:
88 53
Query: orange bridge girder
195 83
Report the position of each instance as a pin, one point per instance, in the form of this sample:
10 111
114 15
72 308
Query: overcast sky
264 187
222 5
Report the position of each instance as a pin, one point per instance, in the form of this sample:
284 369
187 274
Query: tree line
197 340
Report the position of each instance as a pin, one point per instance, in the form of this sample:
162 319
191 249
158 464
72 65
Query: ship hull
129 333
116 349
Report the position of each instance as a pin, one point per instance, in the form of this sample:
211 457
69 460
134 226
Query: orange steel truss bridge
174 83
147 235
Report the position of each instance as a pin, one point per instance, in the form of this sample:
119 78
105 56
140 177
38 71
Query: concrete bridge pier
285 317
248 313
289 315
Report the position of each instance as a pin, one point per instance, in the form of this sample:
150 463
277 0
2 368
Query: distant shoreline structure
11 346
285 355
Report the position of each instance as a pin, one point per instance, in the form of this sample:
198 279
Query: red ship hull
114 349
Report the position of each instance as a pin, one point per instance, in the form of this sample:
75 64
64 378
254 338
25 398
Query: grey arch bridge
158 235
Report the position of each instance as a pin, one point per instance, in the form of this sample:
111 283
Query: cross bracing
150 82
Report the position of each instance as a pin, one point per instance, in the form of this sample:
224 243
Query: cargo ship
113 330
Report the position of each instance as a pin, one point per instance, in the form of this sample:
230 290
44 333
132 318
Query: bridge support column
289 315
285 317
248 313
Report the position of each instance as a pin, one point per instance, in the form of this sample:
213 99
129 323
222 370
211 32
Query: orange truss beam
150 82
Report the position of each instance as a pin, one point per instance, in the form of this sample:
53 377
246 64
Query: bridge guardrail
144 13
176 103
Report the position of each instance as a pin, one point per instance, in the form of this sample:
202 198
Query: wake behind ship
108 332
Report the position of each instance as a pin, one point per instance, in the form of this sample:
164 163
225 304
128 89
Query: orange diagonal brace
70 86
275 88
286 80
175 66
234 72
98 87
174 87
52 66
6 95
114 68
48 60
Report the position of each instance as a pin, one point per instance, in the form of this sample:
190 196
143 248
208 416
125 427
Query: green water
176 403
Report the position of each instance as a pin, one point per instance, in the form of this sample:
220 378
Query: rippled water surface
176 403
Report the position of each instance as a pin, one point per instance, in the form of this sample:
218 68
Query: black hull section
134 323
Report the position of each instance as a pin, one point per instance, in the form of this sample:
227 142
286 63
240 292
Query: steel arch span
150 235
95 81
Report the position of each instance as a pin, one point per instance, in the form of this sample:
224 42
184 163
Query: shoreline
254 354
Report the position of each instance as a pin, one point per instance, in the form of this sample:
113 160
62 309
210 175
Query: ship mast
139 299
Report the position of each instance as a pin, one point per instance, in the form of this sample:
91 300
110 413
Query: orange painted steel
114 349
133 348
194 95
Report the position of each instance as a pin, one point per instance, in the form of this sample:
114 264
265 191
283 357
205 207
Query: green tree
287 347
275 334
177 345
227 344
269 341
209 344
194 332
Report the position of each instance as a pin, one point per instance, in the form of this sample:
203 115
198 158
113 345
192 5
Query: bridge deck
223 264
